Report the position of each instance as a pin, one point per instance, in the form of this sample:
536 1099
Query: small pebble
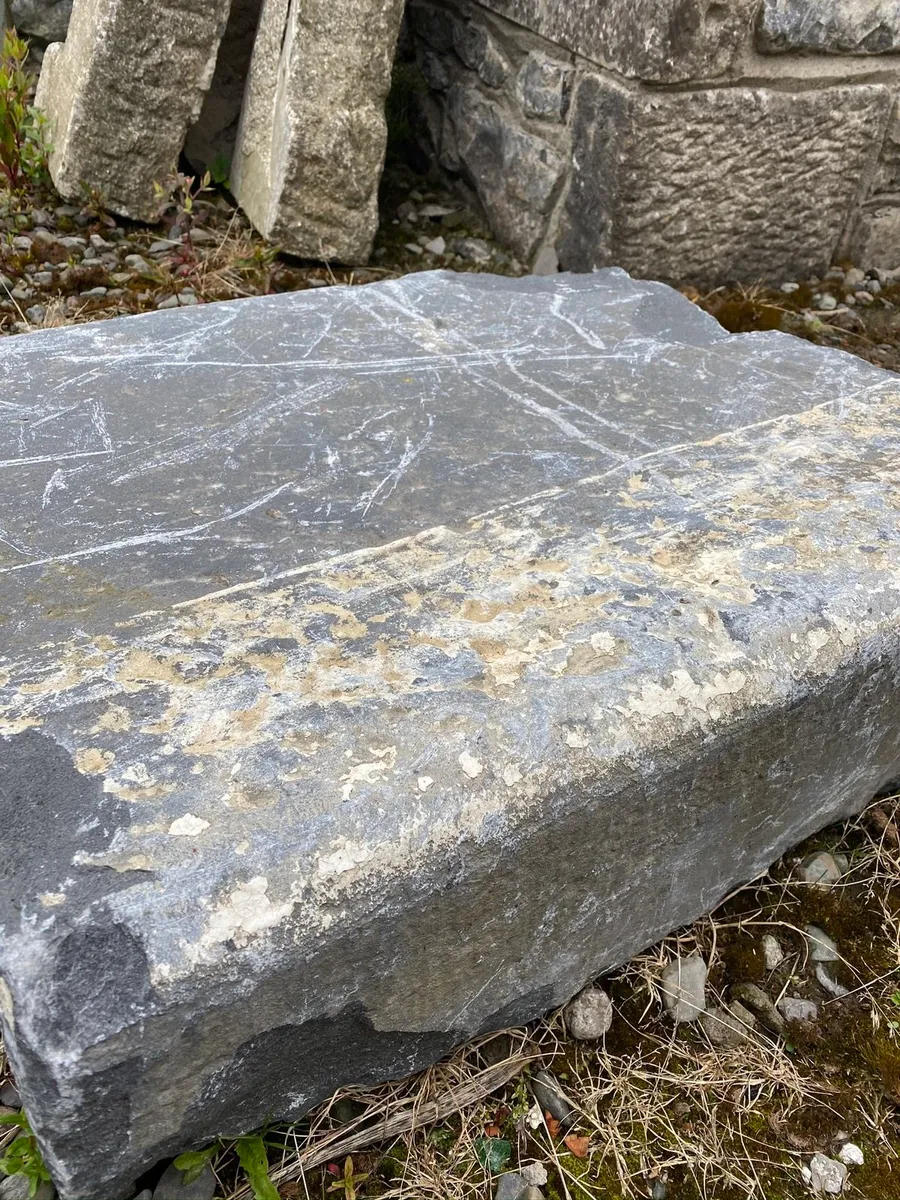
873 286
510 1186
589 1015
851 1155
436 246
787 288
827 302
865 298
549 1095
827 1175
9 1095
43 278
534 1174
728 1027
532 1193
658 1190
73 243
161 247
473 250
683 987
36 314
821 947
773 954
854 277
792 1008
820 870
169 302
137 262
760 1003
22 244
412 247
95 292
172 1186
828 984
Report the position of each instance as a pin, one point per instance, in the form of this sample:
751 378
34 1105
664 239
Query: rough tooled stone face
333 621
716 184
830 26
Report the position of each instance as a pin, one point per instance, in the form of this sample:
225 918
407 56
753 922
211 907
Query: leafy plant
23 1156
251 1152
23 146
347 1183
192 1162
493 1153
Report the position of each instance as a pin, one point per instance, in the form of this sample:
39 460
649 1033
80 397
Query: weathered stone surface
47 19
312 136
830 26
660 40
543 85
120 93
719 184
319 607
516 174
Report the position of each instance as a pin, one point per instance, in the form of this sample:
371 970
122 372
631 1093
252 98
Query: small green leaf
14 1118
251 1152
493 1153
193 1162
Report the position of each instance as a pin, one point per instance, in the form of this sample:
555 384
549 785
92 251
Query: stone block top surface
312 604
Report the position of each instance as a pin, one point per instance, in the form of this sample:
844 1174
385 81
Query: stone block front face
664 41
716 184
830 26
312 138
121 92
433 587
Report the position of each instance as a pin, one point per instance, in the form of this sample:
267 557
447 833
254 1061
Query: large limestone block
830 26
658 40
380 665
718 184
122 90
312 136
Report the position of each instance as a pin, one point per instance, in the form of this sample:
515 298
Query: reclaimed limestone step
380 664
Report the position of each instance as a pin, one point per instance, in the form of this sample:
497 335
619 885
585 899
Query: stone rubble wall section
681 139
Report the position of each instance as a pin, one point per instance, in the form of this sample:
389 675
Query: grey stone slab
357 646
717 184
312 136
830 26
121 92
665 41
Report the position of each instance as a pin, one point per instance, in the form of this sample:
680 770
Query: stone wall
681 139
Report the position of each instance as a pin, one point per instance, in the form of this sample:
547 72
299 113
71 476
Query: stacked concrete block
775 153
